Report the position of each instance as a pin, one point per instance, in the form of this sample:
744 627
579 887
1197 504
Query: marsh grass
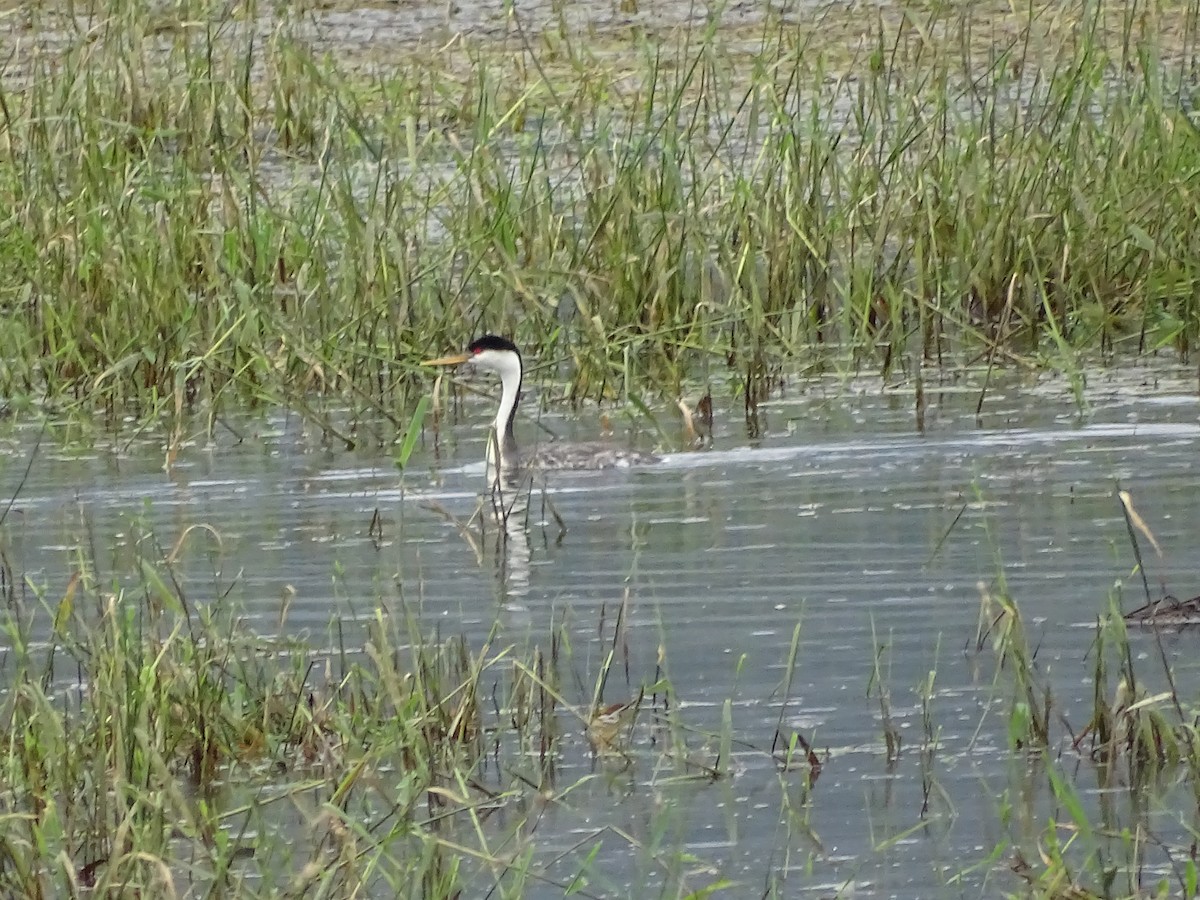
160 743
1139 741
211 206
158 740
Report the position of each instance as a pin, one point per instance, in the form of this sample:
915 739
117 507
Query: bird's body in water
501 356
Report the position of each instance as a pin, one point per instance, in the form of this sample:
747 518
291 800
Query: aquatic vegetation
222 204
158 744
159 740
1139 742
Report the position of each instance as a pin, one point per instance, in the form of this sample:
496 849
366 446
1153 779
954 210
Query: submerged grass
219 204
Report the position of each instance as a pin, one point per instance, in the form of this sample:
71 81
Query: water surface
841 520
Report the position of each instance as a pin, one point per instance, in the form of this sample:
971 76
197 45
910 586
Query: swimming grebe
500 355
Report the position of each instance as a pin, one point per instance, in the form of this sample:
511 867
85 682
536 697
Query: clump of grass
1001 626
203 213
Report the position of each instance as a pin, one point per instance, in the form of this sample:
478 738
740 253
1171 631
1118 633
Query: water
841 521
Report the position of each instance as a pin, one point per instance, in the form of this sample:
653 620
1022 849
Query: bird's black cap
492 342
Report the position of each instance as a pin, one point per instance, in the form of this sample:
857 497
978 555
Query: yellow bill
453 359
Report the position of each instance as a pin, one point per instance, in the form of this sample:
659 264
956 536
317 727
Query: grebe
500 355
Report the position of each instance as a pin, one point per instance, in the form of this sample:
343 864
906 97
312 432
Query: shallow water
841 520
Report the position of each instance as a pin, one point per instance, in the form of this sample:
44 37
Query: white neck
509 369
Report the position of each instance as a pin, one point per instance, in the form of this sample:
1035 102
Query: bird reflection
506 510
